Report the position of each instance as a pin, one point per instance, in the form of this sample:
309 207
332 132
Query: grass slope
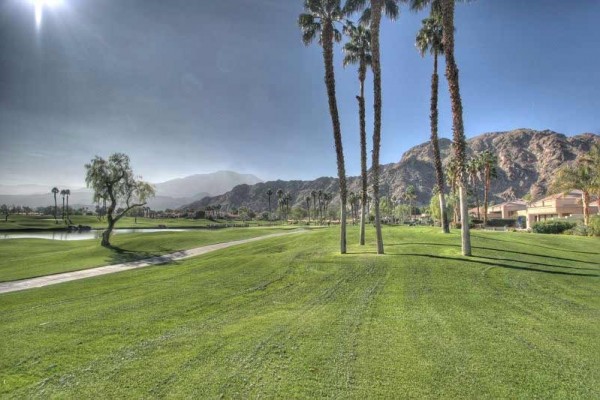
288 317
28 222
28 258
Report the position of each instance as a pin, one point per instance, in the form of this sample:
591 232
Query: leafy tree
372 15
429 39
358 51
55 191
115 179
4 210
319 19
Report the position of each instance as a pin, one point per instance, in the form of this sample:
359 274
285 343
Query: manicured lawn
28 258
24 222
290 318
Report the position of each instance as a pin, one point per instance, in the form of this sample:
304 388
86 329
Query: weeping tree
429 39
113 180
318 21
358 51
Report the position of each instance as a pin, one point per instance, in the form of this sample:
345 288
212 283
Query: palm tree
55 191
582 176
280 202
319 19
429 39
351 202
446 9
474 168
320 196
372 14
269 194
488 162
410 194
68 193
307 199
314 197
63 193
358 51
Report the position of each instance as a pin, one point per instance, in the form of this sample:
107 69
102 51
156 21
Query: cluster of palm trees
320 202
320 21
213 210
65 193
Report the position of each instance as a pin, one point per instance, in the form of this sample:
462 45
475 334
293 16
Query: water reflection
62 235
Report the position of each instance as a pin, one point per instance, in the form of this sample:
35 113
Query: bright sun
39 8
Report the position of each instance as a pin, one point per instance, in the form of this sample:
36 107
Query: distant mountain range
170 194
527 160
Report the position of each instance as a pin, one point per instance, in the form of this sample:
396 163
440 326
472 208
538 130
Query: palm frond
365 18
391 9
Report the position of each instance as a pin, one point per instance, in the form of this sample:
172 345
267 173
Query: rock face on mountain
527 159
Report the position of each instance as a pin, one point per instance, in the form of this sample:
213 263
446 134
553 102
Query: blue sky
193 87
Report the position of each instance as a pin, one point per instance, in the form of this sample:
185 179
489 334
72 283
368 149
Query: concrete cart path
14 286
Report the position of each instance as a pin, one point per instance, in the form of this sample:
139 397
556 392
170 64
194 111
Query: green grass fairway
290 318
28 222
28 258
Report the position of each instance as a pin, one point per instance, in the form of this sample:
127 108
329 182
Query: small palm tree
63 193
269 194
358 51
280 202
55 191
67 194
319 19
429 39
488 162
410 195
474 169
307 199
581 175
314 197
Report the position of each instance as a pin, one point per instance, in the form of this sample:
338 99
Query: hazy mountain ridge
169 194
527 160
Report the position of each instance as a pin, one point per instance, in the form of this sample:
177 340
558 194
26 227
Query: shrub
499 222
555 227
595 225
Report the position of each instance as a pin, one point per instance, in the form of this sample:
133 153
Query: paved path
14 286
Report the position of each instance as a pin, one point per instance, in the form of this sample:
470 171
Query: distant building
560 205
563 205
510 209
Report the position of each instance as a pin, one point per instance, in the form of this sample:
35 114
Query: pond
64 235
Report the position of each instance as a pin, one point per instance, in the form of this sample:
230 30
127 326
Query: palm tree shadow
531 244
503 251
497 264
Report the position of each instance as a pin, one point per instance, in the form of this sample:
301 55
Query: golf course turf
288 317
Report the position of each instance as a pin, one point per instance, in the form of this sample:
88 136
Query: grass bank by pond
289 317
28 258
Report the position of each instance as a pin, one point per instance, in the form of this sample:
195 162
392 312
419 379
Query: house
509 209
560 205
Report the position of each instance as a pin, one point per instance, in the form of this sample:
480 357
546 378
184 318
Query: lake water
63 235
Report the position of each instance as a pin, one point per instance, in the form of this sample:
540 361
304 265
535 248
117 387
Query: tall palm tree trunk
486 189
457 120
585 197
55 210
335 120
376 66
435 145
362 72
63 208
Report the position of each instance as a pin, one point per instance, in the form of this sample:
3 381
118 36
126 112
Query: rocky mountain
527 160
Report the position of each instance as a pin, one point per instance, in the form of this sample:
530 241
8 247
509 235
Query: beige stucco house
557 206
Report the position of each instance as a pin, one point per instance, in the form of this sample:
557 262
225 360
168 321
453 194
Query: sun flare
39 9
